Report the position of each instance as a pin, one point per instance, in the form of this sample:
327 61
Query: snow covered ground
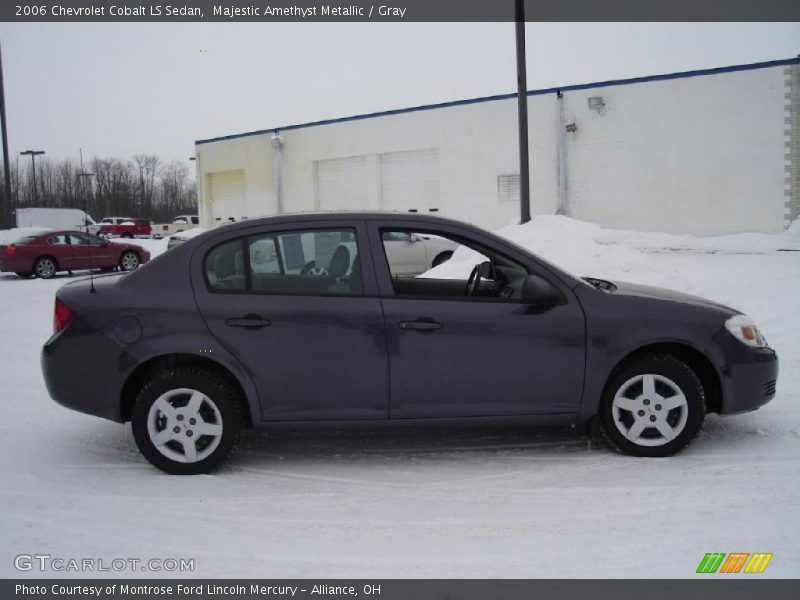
485 502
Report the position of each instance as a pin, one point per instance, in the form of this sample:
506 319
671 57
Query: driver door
454 355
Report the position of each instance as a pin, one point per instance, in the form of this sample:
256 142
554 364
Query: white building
704 152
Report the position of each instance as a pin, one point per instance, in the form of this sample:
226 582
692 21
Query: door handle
248 322
421 324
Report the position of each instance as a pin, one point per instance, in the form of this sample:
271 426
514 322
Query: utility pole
6 168
33 154
82 176
522 111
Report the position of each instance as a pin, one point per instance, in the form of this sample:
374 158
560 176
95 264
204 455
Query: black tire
215 388
25 274
127 236
129 261
669 376
45 267
442 258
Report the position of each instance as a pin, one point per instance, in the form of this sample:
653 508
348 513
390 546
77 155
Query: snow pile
587 250
9 236
740 243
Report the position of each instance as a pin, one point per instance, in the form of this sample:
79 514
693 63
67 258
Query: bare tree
146 167
141 187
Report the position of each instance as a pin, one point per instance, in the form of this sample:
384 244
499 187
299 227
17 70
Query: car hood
657 293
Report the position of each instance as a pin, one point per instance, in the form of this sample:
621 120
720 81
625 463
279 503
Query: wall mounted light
596 103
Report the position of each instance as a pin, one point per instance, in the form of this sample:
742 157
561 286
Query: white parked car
415 253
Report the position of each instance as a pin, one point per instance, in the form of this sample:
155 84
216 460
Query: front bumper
749 376
84 370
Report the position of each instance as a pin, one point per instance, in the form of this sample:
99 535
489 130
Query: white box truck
53 218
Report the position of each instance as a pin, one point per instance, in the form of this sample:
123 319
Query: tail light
62 317
11 250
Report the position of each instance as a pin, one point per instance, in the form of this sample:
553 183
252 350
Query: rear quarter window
28 239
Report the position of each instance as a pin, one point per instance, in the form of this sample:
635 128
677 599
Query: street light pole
522 112
6 168
82 177
33 154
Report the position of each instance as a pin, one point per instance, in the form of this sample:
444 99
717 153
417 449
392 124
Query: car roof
60 232
334 216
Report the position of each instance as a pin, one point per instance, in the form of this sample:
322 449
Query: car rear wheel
129 261
187 420
653 407
45 267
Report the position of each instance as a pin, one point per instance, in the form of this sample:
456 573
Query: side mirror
540 292
415 238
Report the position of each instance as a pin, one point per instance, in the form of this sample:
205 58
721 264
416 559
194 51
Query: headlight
744 329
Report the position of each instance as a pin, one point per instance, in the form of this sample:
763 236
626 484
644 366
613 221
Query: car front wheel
653 407
187 420
129 261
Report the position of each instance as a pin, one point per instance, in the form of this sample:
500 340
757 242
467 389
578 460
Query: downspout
277 169
563 208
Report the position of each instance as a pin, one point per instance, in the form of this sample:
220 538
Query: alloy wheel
650 410
184 425
45 268
129 261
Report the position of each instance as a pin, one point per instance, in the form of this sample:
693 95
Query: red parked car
45 254
134 228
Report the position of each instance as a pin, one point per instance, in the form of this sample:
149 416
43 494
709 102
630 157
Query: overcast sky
123 89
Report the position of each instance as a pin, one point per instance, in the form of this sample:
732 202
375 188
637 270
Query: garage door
227 196
342 183
410 180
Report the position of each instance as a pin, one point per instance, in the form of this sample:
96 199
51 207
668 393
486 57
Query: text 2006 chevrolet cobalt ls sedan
308 318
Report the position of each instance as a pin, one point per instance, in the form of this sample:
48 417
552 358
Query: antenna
89 247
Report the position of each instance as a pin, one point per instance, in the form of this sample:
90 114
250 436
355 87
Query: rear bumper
749 377
15 265
83 370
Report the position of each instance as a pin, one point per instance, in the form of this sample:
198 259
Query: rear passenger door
298 306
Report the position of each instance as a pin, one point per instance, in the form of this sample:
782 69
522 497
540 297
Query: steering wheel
474 281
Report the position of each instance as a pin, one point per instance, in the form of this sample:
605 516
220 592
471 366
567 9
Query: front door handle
248 322
421 324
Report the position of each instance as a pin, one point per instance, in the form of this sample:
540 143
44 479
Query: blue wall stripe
553 90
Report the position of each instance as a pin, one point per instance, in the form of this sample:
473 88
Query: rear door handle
421 324
248 322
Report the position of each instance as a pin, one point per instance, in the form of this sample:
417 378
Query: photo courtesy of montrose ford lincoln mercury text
312 318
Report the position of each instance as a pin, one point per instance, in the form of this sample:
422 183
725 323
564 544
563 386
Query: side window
436 265
58 240
77 239
304 263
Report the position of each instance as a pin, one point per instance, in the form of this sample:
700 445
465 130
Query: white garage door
342 183
410 181
227 196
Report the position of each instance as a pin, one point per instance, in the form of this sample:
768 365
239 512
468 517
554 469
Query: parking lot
479 502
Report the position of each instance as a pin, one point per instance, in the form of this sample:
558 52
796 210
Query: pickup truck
95 229
180 223
132 228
